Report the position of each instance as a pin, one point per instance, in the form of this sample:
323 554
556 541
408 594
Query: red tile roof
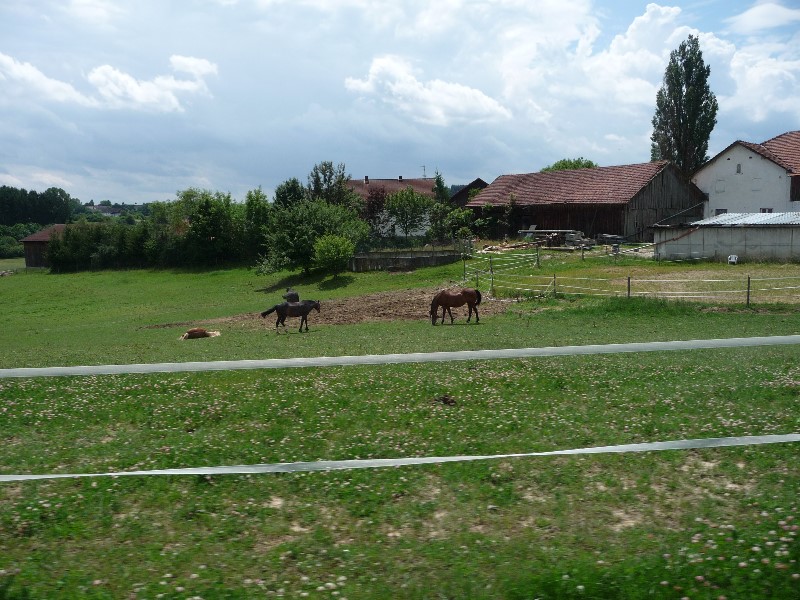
602 185
783 150
787 148
45 234
422 186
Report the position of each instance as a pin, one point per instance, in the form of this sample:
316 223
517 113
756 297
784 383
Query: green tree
686 110
332 253
293 231
441 193
211 234
289 192
569 164
374 212
409 209
332 184
256 218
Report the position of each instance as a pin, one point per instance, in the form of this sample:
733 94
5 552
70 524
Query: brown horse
292 309
198 332
448 299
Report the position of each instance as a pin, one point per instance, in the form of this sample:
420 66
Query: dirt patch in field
400 305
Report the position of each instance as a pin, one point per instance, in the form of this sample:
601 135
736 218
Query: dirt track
408 305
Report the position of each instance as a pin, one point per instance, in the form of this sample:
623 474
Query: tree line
317 225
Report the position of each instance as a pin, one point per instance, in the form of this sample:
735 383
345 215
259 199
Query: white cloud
99 13
22 76
434 102
199 67
766 82
763 16
115 88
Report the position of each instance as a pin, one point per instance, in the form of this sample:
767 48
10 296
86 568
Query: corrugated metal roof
750 219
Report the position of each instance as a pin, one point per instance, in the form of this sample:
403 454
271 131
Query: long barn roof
601 185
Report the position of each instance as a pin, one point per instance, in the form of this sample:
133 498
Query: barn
35 245
623 200
747 236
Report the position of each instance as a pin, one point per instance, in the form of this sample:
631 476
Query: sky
134 101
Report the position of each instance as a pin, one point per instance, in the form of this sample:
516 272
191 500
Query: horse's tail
478 294
269 311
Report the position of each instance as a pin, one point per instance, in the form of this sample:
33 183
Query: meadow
709 523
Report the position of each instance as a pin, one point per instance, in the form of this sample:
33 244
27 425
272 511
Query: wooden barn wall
591 219
35 254
664 197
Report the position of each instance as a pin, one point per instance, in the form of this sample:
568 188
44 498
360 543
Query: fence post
491 276
748 291
629 286
464 259
537 256
554 285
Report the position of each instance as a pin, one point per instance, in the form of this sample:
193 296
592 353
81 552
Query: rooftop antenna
423 172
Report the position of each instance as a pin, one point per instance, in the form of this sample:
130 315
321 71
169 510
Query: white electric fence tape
334 465
325 361
385 359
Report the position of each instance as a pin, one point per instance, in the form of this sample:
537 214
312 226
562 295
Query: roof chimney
366 179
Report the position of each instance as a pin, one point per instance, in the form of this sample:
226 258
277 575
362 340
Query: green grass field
700 524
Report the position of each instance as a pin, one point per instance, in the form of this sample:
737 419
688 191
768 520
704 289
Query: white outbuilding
732 237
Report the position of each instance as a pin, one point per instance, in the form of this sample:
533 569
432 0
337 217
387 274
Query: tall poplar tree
686 110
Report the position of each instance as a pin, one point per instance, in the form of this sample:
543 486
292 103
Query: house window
739 168
720 211
765 210
794 188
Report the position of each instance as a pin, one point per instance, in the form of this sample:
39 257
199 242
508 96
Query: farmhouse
745 236
753 178
35 245
363 187
623 200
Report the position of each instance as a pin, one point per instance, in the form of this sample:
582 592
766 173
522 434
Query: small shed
746 236
35 245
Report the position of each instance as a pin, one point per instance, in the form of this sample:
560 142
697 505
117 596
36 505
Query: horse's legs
449 312
475 308
303 319
444 312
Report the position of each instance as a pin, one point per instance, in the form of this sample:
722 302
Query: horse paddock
402 305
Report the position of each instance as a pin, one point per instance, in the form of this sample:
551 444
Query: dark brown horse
448 299
292 309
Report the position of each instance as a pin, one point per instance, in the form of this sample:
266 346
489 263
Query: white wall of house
742 181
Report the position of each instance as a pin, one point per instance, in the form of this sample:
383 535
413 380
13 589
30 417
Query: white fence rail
519 275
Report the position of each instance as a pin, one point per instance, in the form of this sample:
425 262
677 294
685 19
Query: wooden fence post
748 291
629 286
554 285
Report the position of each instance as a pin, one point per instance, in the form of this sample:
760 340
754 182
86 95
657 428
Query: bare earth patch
399 305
